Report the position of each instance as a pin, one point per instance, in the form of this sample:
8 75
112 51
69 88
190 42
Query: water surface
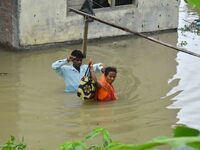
157 88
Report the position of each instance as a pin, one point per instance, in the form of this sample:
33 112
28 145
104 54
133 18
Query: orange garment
107 91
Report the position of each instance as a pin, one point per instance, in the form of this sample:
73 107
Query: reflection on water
186 94
33 103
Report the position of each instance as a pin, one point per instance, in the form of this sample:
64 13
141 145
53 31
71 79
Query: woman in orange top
105 89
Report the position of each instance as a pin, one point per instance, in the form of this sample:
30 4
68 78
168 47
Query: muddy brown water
157 89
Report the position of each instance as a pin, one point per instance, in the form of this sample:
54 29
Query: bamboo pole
84 45
136 33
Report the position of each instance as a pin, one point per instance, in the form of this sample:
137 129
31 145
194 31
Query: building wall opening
123 2
97 4
100 3
110 3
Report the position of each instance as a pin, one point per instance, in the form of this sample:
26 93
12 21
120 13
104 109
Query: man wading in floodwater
72 73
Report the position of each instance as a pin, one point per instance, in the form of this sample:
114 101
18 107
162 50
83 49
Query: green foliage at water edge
195 3
183 136
11 144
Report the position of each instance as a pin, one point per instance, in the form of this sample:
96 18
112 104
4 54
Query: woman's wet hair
110 69
77 53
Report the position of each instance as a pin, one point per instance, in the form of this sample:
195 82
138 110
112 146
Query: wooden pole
84 45
136 33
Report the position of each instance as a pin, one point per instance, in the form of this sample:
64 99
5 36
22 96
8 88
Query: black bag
87 87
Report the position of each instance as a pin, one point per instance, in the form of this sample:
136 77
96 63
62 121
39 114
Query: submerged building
27 23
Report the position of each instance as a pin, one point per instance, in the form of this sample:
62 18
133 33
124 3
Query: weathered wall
158 14
47 21
44 21
8 22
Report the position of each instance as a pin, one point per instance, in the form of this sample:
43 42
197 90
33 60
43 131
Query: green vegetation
192 27
195 3
183 137
12 145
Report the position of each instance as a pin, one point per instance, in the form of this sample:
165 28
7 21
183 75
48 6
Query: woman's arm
93 75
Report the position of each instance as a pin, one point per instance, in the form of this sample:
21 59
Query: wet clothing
72 76
106 92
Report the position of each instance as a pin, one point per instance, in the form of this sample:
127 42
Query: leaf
195 145
94 133
119 146
94 147
173 142
106 136
183 131
195 3
12 145
74 145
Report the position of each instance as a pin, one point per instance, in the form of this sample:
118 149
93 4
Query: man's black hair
77 53
110 69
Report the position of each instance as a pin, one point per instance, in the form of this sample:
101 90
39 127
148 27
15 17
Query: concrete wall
158 14
8 22
47 21
44 21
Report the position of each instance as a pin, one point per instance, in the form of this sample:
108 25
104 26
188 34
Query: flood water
157 89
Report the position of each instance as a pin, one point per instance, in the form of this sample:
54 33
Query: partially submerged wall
45 21
8 22
48 21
